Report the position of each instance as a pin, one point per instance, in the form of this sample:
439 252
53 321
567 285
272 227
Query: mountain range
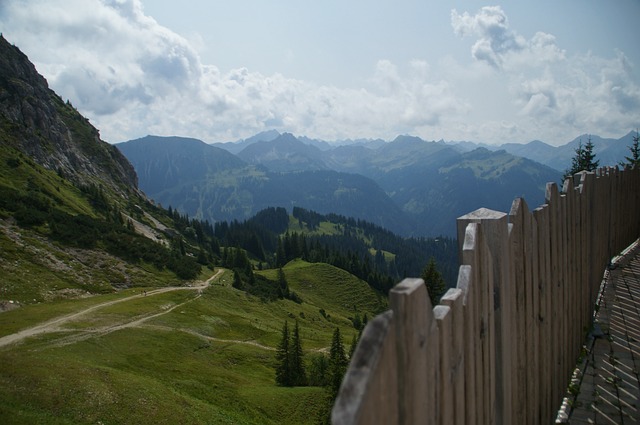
410 186
608 151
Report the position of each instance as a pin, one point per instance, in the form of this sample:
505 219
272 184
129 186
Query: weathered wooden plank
533 311
546 408
442 315
560 383
495 333
476 253
417 348
553 200
454 299
518 318
488 338
368 394
470 283
573 222
470 349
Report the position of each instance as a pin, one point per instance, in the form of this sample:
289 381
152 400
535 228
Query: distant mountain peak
263 136
408 139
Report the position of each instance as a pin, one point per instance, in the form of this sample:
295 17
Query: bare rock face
38 123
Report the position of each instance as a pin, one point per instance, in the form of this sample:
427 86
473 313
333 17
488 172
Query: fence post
545 353
454 299
523 238
417 353
368 394
495 232
517 271
472 361
442 314
555 286
480 351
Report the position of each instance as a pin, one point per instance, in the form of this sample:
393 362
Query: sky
339 69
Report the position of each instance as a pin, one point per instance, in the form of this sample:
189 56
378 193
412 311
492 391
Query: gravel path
54 325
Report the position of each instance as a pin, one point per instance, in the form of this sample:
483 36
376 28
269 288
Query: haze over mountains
410 186
608 150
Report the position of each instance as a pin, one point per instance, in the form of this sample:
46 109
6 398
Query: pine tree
337 363
434 281
318 370
584 160
281 259
589 162
283 357
634 159
298 375
283 286
237 281
354 344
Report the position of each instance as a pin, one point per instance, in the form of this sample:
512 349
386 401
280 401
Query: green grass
29 174
35 270
208 360
488 168
324 228
141 376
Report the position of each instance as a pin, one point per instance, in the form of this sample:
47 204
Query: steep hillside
35 121
163 162
72 220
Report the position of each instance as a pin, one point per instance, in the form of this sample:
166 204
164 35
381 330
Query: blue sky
218 71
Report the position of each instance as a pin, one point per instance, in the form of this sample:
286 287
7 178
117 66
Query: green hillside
182 356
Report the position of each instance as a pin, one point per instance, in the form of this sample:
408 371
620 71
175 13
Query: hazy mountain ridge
211 183
411 186
284 153
609 151
179 161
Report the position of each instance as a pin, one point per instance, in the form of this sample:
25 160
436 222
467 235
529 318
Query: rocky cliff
38 123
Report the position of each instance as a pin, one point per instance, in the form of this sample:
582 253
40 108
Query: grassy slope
209 360
33 268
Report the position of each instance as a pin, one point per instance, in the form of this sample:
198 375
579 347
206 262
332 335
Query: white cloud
491 25
551 91
132 76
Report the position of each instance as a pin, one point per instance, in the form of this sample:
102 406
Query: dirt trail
212 338
53 325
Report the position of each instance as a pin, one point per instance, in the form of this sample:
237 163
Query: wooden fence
501 346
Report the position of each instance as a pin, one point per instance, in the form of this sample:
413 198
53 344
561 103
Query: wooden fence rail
501 346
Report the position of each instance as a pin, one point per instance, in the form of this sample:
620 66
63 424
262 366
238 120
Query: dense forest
365 250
